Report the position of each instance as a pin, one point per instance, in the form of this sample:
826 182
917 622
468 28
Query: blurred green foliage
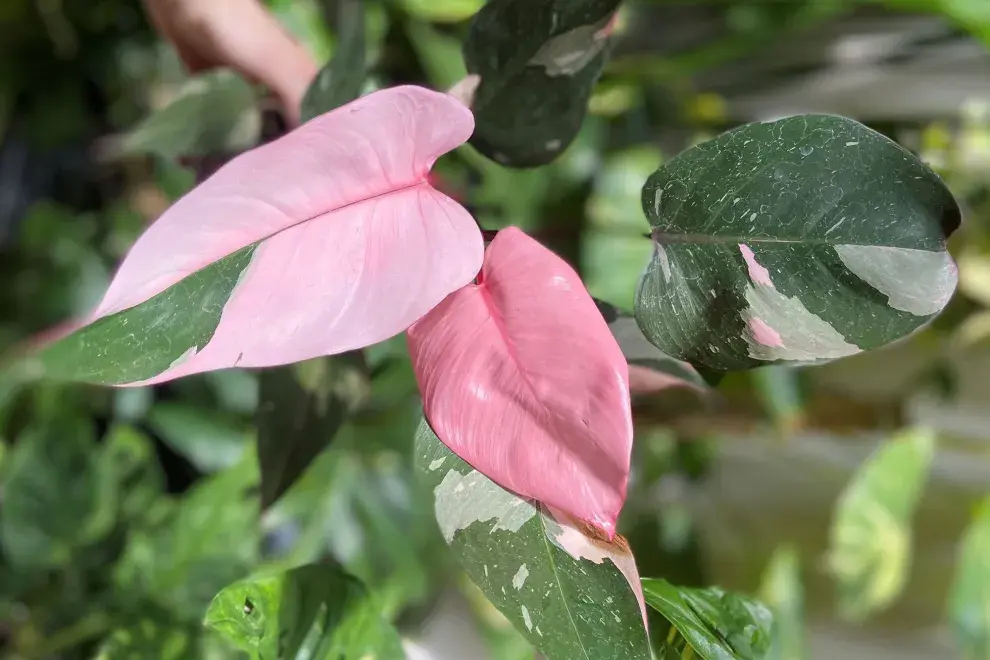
124 512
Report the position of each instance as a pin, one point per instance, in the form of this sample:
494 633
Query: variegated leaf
538 61
799 240
326 240
568 590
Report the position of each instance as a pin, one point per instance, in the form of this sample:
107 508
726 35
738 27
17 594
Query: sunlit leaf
799 240
495 363
783 592
969 600
870 538
568 590
317 243
302 407
442 11
538 61
314 612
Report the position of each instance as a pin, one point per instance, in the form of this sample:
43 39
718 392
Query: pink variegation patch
521 378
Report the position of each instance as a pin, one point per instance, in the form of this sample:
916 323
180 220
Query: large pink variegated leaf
521 378
324 241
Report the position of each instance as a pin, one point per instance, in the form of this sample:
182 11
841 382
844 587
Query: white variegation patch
462 500
919 282
568 53
519 579
796 333
189 352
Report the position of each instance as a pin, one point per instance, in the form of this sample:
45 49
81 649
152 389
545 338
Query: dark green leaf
805 239
210 441
717 624
130 459
314 612
150 337
204 541
56 495
341 80
302 407
870 540
537 61
567 591
216 112
969 600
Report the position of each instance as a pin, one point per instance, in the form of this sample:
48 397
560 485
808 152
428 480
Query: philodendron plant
787 242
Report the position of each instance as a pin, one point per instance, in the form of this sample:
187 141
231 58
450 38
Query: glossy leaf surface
716 624
870 539
538 61
302 407
213 113
316 612
969 599
805 239
562 585
521 378
323 241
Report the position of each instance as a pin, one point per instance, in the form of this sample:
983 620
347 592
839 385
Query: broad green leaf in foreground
571 594
804 239
870 539
341 80
718 625
782 591
302 407
216 112
969 600
54 495
314 612
538 61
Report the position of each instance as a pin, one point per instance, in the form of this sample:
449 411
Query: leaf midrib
557 582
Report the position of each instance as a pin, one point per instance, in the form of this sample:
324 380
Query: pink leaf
522 379
356 245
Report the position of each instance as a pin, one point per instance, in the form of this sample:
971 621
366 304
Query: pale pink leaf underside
357 245
522 379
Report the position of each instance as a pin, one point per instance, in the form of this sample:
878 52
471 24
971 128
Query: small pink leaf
521 378
355 245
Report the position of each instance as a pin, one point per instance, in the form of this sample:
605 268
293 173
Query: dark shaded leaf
538 61
210 441
301 409
316 612
799 240
571 594
341 79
